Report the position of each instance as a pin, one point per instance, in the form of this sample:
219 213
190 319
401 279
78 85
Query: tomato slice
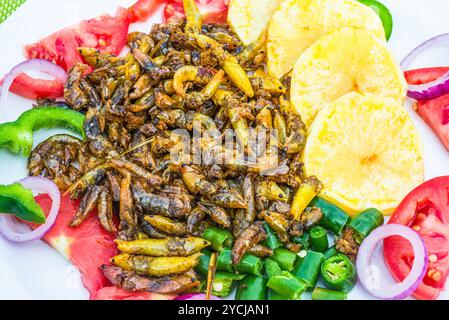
425 75
114 293
143 9
426 210
212 11
31 88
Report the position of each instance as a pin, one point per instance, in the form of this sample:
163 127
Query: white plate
35 271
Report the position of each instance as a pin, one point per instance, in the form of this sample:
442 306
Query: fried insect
88 203
166 285
167 225
261 251
218 214
156 266
249 238
169 247
105 211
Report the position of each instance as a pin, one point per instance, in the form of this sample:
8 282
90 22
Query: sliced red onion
367 271
34 64
196 296
430 90
12 228
432 42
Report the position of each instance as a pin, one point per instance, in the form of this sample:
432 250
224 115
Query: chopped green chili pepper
284 258
339 273
250 264
332 251
272 268
223 283
19 201
203 265
303 240
308 268
219 238
334 218
17 136
365 222
224 261
273 295
326 294
318 238
272 241
252 288
384 14
287 285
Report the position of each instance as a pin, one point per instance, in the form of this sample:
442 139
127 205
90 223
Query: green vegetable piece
332 251
252 288
224 261
223 283
365 222
219 238
326 294
19 201
284 258
273 295
250 264
308 268
17 136
339 273
303 240
287 285
203 265
334 219
272 241
384 14
272 268
318 238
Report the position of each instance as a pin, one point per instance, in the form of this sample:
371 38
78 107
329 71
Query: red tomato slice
436 114
425 75
87 247
143 9
105 33
114 293
426 210
212 11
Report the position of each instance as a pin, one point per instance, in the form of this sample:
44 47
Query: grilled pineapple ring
366 151
346 60
297 24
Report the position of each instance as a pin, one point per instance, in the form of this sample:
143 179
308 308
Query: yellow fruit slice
249 18
297 24
346 60
366 152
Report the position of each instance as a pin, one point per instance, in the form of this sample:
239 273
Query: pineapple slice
297 24
366 151
346 60
249 19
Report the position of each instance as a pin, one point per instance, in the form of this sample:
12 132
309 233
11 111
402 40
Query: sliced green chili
272 268
203 265
318 238
19 201
284 258
250 264
332 251
272 241
287 285
252 288
17 136
308 268
327 294
303 240
365 222
334 219
219 238
224 261
273 295
339 273
223 283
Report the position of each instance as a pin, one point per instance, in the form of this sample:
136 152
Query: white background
35 271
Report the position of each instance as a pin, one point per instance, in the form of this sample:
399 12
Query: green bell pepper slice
17 200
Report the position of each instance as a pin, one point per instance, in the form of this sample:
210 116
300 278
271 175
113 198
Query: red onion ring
432 42
9 224
366 271
33 64
430 90
196 296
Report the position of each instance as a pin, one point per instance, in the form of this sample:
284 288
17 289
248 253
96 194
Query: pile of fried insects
166 213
